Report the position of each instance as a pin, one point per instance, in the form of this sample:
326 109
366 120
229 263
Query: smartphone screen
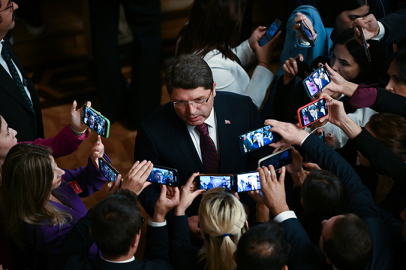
277 160
256 139
307 34
248 181
312 112
107 170
165 176
365 44
316 81
212 181
96 121
270 33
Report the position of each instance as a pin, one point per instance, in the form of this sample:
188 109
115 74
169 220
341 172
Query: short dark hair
188 71
350 245
324 195
263 247
115 221
400 58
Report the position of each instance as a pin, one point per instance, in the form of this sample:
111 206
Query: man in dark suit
362 233
19 101
194 104
114 224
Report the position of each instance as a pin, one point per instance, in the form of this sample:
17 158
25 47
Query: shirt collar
210 121
126 261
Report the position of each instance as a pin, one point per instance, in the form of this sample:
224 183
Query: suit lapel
225 121
180 135
8 83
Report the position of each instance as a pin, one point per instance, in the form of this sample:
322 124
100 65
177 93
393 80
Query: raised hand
369 26
273 191
187 195
290 69
136 179
291 134
338 85
264 53
296 27
97 151
77 124
168 199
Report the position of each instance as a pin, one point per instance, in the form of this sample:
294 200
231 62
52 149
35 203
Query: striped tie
208 149
16 77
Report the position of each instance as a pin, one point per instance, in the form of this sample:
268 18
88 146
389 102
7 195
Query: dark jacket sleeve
74 251
382 159
145 150
390 103
302 254
392 23
361 201
157 245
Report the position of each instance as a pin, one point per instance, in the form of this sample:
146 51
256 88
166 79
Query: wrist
263 64
158 217
350 128
180 211
349 89
76 131
279 209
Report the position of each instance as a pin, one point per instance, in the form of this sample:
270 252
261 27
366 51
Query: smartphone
277 160
304 69
209 181
306 33
316 81
163 175
365 43
255 139
107 170
312 112
247 181
96 121
271 32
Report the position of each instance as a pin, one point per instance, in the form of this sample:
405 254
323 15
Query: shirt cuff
304 139
284 216
156 224
381 32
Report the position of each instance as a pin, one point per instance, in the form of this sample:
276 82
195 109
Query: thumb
163 192
74 105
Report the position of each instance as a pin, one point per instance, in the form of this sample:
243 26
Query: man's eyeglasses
195 103
10 5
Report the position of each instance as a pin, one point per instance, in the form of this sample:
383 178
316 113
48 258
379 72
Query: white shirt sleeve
156 224
381 32
284 216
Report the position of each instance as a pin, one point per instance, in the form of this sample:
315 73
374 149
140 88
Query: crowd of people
339 204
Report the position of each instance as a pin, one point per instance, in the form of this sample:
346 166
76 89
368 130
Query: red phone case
299 117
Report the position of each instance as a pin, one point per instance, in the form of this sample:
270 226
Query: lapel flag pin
227 122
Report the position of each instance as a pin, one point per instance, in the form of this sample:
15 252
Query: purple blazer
64 143
49 237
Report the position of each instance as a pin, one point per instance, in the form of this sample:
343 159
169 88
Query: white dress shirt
212 127
4 65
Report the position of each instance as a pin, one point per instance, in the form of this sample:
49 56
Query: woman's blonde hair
25 190
223 220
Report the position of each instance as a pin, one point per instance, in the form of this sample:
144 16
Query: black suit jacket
13 106
164 139
361 201
75 250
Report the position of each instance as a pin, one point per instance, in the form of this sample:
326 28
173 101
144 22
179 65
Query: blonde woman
222 221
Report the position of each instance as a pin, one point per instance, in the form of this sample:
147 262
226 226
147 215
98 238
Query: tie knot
202 128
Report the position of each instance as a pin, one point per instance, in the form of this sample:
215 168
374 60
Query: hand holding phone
316 81
209 181
96 121
312 112
136 179
304 69
277 160
107 170
273 190
163 175
270 32
187 194
306 33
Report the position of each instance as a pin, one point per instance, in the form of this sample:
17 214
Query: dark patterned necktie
208 149
16 77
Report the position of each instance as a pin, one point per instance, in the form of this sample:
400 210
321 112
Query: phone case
307 105
107 131
303 28
302 66
108 165
265 39
268 157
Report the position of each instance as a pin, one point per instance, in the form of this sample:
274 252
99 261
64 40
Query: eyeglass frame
10 5
192 102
